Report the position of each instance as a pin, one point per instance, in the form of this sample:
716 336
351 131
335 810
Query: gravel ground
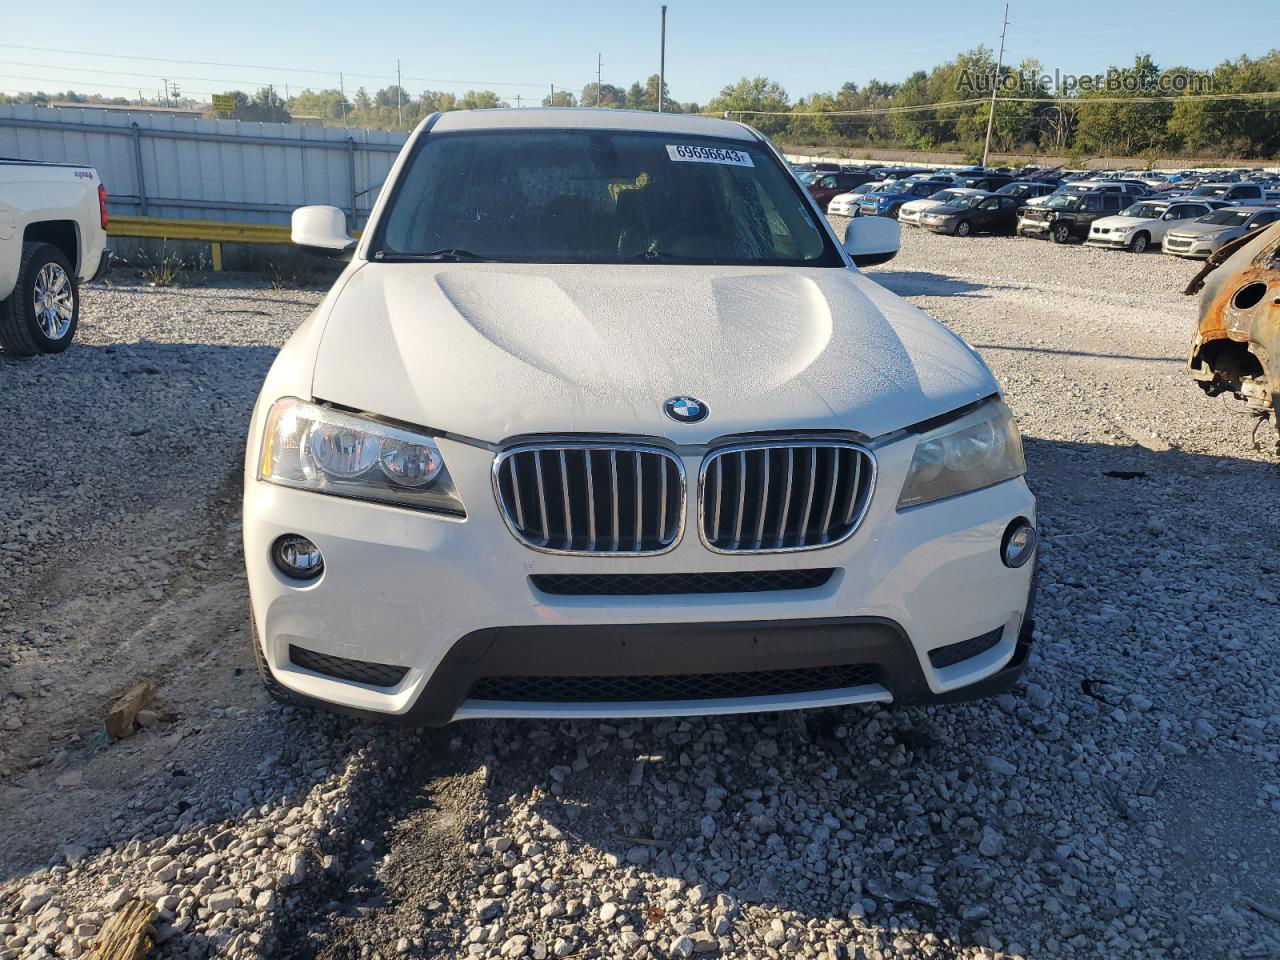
1123 802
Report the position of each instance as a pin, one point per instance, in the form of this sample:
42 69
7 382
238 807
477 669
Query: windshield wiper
444 255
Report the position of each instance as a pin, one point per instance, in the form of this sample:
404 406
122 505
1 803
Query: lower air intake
340 668
695 686
954 653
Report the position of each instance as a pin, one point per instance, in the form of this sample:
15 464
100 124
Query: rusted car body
1236 348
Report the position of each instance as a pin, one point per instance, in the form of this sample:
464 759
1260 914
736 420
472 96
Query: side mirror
872 240
1167 216
323 230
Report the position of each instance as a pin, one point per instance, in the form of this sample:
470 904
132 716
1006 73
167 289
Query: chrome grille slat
542 494
827 504
591 502
640 513
786 498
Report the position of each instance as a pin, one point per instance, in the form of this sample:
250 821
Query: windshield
1147 211
808 179
893 186
1061 200
593 196
1227 217
1014 189
945 195
1208 191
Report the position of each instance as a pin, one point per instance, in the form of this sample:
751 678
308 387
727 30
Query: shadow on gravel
922 283
1019 348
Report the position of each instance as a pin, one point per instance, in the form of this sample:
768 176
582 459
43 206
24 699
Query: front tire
1139 243
1061 233
42 313
964 228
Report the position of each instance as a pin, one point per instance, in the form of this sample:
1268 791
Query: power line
259 66
1060 101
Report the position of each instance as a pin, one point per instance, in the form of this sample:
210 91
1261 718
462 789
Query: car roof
561 118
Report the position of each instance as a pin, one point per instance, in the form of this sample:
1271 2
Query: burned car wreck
1236 348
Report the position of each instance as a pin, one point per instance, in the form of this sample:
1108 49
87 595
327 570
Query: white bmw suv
602 420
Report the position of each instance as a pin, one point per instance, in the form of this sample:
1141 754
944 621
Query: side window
1262 219
988 204
1092 203
827 182
1111 202
1008 202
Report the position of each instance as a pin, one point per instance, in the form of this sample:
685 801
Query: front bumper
938 226
1116 241
452 602
843 209
1034 226
1195 249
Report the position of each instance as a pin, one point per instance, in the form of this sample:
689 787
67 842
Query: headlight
316 448
980 449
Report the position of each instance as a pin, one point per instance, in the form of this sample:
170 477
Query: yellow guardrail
213 232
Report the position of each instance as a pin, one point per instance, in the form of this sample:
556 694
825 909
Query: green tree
610 96
757 97
480 100
563 98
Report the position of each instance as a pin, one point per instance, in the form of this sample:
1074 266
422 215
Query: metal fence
158 165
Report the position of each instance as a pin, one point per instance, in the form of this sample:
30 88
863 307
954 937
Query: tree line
939 109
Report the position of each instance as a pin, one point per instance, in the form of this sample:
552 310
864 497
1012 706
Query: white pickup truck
53 235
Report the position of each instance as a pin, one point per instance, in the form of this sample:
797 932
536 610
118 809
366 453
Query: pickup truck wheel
963 228
1140 243
895 212
275 688
41 314
1060 233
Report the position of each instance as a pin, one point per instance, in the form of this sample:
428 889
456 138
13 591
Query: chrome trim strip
675 536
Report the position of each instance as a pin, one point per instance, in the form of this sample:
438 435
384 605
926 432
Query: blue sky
520 49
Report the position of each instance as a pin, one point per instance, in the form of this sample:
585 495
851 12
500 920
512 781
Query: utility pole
517 101
342 92
599 65
553 96
399 108
995 85
662 58
165 81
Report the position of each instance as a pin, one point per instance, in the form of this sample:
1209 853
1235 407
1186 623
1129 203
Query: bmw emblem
685 409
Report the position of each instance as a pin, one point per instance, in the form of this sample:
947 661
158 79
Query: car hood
492 351
1197 229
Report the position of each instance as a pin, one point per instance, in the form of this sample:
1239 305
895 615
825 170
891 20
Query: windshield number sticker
692 154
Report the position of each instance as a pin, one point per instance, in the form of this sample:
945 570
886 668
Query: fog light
297 557
1018 543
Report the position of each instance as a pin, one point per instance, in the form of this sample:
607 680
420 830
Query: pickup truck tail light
102 205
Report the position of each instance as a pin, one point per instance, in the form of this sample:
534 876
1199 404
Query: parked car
529 388
912 210
985 181
1200 238
1128 192
827 186
887 200
975 213
1026 190
1065 216
846 204
1251 193
1145 223
53 235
